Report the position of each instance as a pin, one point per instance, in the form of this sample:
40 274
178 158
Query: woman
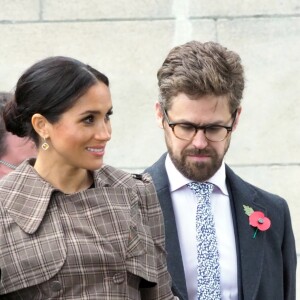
71 227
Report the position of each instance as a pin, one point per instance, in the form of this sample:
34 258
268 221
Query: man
243 247
13 149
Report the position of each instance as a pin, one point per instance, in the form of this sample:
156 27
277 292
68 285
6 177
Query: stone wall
128 41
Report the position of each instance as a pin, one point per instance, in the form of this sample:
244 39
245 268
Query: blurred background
128 41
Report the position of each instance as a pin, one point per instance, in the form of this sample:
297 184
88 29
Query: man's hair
4 98
198 69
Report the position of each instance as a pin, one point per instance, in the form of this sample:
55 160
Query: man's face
197 159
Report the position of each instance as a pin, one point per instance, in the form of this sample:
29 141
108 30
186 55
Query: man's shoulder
239 184
158 172
158 166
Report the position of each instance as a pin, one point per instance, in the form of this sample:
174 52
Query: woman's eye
108 115
89 120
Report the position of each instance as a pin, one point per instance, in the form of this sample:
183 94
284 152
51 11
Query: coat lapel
251 250
174 259
26 196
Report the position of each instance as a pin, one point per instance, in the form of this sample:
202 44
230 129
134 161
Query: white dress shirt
185 206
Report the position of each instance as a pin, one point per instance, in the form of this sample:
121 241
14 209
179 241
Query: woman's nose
103 132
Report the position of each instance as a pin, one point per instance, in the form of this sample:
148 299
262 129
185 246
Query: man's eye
186 127
214 129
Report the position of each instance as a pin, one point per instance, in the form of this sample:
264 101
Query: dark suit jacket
266 263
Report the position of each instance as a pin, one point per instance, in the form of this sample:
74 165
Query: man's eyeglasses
187 131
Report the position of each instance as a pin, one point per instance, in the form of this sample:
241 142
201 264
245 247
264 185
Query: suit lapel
174 259
251 250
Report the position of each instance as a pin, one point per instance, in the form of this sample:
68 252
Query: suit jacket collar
251 250
174 259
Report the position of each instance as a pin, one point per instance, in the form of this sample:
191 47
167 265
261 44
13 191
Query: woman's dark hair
4 99
50 87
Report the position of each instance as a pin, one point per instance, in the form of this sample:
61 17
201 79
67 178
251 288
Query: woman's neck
68 179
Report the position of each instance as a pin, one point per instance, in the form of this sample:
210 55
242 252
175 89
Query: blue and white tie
208 267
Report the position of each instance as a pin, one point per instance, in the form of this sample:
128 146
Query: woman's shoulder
26 185
24 174
112 176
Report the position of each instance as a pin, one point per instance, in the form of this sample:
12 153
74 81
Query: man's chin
199 175
199 171
195 166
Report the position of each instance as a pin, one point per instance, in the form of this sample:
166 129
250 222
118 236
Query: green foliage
248 210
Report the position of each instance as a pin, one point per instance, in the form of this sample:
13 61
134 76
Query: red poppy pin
257 219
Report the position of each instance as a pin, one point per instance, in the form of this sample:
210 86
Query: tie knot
201 188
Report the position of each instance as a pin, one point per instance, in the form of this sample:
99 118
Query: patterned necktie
208 267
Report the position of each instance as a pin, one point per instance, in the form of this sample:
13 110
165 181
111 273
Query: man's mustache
199 152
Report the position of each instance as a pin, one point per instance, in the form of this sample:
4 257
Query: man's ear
159 115
40 125
237 118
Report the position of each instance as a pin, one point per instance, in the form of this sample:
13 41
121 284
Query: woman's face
79 138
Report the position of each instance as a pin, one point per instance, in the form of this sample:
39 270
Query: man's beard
198 171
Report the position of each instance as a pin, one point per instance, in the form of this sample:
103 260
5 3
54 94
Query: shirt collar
177 180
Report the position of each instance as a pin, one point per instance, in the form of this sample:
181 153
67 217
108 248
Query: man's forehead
211 102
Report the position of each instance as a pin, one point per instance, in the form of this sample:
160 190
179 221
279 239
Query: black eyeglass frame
197 127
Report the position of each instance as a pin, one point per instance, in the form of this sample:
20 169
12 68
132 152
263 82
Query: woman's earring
45 145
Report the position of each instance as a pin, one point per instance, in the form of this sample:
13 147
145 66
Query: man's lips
198 155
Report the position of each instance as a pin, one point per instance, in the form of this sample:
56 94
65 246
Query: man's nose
199 140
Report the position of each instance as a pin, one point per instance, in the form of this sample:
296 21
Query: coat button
118 278
55 286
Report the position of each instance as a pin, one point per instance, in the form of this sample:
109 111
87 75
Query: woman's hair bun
13 119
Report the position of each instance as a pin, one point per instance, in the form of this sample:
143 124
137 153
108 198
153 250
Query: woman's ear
40 125
159 115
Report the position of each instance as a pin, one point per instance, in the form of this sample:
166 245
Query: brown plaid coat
103 243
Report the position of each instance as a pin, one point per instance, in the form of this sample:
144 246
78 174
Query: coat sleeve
153 218
289 257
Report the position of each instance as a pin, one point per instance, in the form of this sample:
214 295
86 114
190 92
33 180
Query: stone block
267 132
19 10
105 9
229 8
